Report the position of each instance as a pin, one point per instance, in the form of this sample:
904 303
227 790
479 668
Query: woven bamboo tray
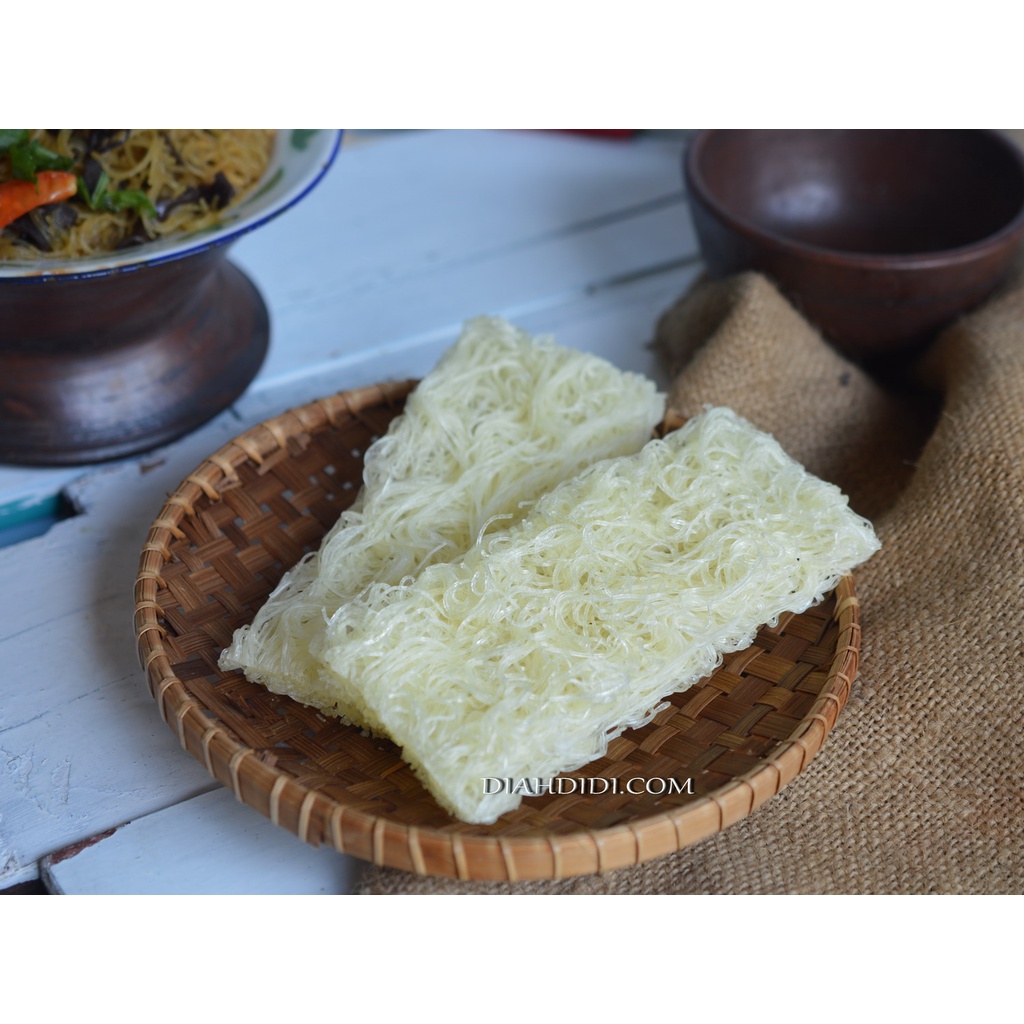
247 514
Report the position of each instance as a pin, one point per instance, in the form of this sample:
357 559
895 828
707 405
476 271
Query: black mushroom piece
92 171
217 193
44 226
99 140
137 236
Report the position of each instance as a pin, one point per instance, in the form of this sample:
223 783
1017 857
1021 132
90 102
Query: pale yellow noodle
162 163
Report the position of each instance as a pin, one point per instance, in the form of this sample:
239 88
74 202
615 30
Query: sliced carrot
19 197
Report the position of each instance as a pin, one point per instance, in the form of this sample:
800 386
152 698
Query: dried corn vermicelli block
499 421
523 658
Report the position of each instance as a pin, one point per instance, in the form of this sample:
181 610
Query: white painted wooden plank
450 199
208 846
28 492
476 242
514 285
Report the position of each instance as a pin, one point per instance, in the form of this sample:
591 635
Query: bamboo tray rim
318 818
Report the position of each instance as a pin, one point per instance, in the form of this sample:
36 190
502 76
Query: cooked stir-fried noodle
133 186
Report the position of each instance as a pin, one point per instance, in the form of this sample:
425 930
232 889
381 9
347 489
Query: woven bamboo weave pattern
235 525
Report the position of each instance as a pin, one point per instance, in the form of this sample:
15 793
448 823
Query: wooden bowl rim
953 258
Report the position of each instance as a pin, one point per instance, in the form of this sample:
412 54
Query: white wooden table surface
368 279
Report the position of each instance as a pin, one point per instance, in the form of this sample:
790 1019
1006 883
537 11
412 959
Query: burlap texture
920 787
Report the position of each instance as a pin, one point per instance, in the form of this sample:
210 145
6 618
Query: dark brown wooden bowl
95 368
114 354
880 238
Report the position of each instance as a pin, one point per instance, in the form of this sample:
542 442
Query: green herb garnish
102 198
27 156
11 137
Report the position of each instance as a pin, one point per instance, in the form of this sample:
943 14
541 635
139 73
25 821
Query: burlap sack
920 787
